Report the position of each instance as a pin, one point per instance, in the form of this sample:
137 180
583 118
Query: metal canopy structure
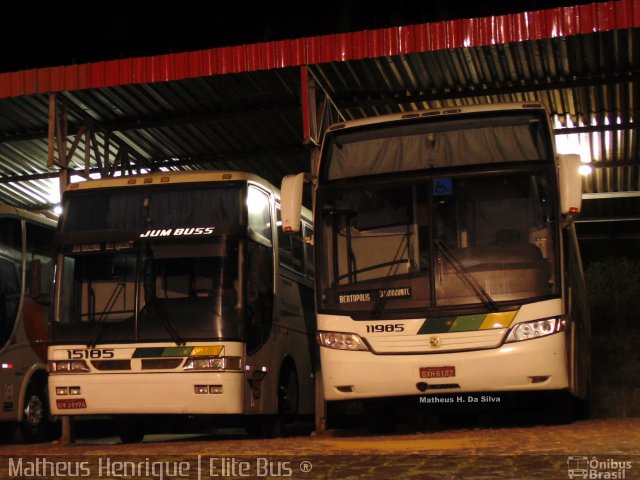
262 107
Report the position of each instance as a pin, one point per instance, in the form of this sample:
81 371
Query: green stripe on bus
155 352
467 323
436 325
148 352
177 351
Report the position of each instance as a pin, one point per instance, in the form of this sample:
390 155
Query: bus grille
110 365
161 363
436 343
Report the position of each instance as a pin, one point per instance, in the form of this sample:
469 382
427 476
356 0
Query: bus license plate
71 404
437 372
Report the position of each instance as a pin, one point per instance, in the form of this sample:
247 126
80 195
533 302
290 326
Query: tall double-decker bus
177 294
26 252
446 258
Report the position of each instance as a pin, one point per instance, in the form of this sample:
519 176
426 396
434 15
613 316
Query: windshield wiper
119 288
351 258
466 277
166 322
152 301
398 259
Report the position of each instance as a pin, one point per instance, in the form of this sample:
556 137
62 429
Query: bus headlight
68 366
341 341
213 363
536 329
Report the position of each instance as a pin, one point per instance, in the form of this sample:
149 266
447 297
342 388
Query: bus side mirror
291 202
570 182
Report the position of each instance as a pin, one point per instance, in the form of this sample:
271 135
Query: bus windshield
124 214
476 240
150 292
481 139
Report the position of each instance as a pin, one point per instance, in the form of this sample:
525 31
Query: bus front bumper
532 365
151 393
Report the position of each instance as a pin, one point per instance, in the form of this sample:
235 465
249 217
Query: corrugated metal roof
239 107
389 42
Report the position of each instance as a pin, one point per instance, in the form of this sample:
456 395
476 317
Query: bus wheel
582 406
275 425
35 416
288 395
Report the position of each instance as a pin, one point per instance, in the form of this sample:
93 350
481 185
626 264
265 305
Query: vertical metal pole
321 403
67 435
52 130
310 137
307 119
87 152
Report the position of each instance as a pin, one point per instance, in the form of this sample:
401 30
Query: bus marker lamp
67 390
207 389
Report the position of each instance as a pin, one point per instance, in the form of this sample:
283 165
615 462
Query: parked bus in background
446 257
177 294
26 250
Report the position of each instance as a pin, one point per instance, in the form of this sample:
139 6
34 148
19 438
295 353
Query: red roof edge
518 27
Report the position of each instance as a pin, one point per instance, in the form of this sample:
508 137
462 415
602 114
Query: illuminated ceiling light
57 210
585 169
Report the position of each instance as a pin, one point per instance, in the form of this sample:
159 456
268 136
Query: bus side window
39 262
259 212
291 248
9 298
259 295
308 251
10 246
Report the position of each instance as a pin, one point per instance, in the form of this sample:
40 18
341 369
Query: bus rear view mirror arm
570 183
291 200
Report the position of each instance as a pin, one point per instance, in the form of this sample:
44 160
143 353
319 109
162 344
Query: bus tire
288 398
35 418
273 426
582 406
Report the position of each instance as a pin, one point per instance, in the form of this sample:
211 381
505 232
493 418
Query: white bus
446 259
177 294
26 252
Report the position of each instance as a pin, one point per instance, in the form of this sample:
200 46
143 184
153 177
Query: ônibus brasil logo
595 468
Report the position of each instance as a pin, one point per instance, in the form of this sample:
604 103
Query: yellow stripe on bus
210 351
498 320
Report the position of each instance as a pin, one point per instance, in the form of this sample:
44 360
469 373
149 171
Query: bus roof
9 211
438 112
169 178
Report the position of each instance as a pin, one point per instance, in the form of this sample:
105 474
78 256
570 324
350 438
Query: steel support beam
167 122
610 195
385 98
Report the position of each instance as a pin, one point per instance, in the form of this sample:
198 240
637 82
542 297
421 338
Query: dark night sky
62 33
